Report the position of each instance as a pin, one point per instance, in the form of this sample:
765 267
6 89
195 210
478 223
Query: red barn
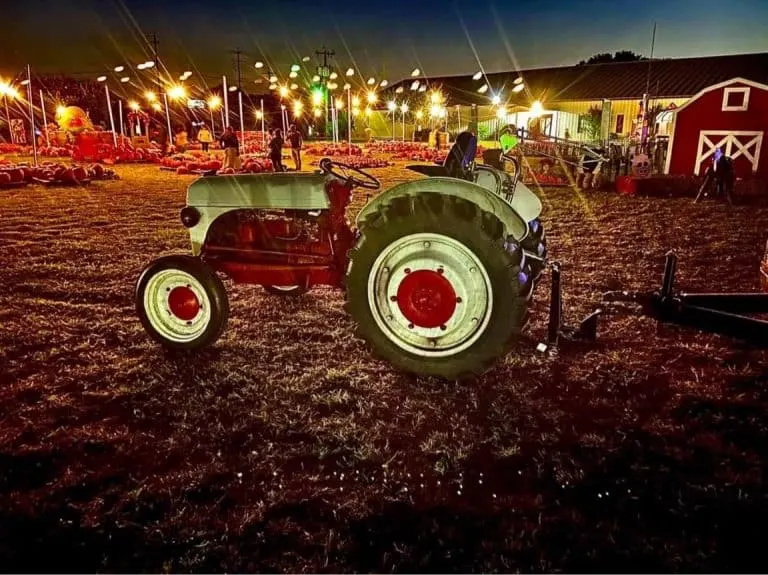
731 115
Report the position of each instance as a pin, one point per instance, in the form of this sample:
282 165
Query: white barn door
733 144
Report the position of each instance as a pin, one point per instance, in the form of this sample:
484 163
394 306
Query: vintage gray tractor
438 272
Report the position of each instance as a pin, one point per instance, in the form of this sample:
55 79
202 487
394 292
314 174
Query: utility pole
324 72
645 130
325 54
156 57
238 61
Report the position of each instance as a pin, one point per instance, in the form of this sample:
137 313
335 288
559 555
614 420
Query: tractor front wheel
181 303
435 288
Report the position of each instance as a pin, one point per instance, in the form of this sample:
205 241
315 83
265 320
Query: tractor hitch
719 313
557 330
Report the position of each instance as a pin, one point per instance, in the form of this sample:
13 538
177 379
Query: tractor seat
458 163
461 157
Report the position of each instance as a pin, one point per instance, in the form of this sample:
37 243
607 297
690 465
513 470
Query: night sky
385 37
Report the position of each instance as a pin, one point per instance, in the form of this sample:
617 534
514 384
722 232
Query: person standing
276 150
231 147
295 140
181 140
204 137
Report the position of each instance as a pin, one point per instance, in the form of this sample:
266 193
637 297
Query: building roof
673 78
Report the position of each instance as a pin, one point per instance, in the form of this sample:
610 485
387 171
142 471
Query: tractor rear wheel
536 243
181 303
435 288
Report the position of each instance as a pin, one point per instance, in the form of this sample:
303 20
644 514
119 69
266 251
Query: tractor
439 272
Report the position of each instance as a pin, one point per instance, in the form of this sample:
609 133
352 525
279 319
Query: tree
607 57
590 123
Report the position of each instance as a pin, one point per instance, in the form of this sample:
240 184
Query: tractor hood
280 191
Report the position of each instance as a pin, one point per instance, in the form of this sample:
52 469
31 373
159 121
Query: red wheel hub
183 303
426 298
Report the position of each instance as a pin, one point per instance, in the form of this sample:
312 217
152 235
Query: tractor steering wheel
368 181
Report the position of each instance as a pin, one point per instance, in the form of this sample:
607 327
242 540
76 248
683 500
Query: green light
317 96
295 68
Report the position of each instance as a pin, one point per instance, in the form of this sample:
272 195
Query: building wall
705 113
565 117
628 109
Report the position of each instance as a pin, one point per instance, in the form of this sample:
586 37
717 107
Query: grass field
287 447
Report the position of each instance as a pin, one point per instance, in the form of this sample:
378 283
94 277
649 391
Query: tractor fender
514 224
525 203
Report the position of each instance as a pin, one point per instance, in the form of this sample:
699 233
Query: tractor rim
430 295
177 305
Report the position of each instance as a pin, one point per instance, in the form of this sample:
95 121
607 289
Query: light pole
404 110
31 112
45 120
8 91
349 115
214 103
261 113
260 116
175 93
284 91
392 107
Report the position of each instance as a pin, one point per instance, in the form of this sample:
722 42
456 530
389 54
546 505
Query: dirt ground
288 448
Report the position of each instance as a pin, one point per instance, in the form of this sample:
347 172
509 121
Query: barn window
735 99
620 124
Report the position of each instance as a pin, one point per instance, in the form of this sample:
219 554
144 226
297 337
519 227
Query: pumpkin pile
199 162
64 151
50 173
251 142
127 153
190 162
6 148
415 151
329 150
360 162
395 148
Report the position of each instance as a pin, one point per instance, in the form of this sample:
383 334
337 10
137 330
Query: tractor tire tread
212 284
436 213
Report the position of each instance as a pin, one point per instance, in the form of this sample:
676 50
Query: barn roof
673 78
